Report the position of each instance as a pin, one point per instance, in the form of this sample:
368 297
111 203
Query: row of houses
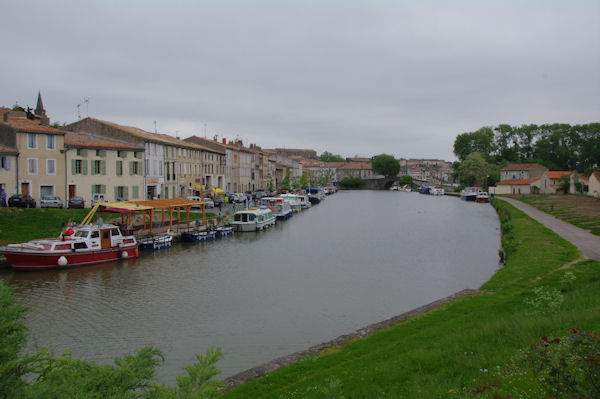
529 178
93 156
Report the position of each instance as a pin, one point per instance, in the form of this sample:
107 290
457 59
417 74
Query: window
134 168
5 163
51 166
50 142
32 166
96 167
119 168
31 140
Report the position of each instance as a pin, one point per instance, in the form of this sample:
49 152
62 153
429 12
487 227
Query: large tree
474 170
481 141
329 157
385 165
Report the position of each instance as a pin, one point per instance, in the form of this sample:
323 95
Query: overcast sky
348 77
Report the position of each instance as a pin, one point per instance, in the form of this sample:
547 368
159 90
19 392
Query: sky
350 77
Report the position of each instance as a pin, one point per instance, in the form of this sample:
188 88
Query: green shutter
116 192
104 190
124 154
141 168
118 172
126 192
134 192
93 187
103 153
103 163
130 168
84 152
84 166
73 167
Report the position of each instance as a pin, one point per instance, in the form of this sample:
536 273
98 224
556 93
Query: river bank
471 347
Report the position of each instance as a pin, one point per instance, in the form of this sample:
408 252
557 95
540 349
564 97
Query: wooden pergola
148 207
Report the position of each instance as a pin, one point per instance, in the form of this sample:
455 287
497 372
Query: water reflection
355 259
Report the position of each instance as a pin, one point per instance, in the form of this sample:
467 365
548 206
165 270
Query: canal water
357 258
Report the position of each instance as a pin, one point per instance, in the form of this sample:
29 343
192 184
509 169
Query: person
3 198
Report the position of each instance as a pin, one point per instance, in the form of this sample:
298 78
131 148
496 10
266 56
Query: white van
98 198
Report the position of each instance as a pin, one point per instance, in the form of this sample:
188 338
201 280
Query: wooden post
151 219
144 212
162 219
171 219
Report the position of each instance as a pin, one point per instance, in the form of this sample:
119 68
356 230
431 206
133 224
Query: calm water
355 259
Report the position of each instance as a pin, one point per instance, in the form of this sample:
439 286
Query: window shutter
93 188
84 166
126 192
73 167
116 192
130 168
103 167
103 189
84 152
124 153
7 163
141 169
103 153
134 192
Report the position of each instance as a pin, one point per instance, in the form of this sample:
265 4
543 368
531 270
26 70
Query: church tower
40 112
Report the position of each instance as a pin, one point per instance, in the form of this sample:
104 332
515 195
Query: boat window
251 217
237 218
95 234
115 232
105 235
81 233
80 245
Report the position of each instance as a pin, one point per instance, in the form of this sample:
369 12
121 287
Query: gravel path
586 242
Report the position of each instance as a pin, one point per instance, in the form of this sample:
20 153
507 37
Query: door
72 190
105 238
24 188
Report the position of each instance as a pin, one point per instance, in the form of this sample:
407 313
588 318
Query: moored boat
76 246
280 207
293 200
253 219
156 242
223 231
197 236
469 194
482 196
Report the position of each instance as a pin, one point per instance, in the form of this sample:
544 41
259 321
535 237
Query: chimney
224 140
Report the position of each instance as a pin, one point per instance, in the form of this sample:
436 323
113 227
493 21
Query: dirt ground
580 210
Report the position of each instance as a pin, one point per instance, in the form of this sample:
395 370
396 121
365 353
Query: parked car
22 200
238 197
218 200
76 202
98 197
208 203
51 201
195 198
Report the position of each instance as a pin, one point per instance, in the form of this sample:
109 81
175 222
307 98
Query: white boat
156 242
482 196
293 200
469 194
280 207
304 201
437 191
253 219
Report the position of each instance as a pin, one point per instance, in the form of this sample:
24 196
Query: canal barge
254 219
280 207
157 242
76 246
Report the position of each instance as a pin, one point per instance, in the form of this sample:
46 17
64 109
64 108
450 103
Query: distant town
93 156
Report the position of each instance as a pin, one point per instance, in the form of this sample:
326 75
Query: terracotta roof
194 139
520 166
335 164
516 182
8 150
597 175
27 125
553 174
89 140
356 166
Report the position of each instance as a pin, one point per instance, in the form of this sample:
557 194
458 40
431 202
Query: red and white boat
76 246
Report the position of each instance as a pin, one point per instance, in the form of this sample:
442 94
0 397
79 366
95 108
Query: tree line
557 146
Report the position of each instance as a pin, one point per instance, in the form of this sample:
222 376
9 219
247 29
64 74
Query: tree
385 165
329 157
405 180
285 182
481 141
474 169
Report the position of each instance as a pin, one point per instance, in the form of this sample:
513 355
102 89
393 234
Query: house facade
594 185
519 178
98 165
549 182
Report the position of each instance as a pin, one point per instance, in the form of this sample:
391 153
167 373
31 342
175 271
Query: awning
124 205
116 210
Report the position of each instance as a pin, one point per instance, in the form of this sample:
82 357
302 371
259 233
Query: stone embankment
266 368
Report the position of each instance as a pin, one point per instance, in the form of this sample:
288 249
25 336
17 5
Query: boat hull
20 260
252 226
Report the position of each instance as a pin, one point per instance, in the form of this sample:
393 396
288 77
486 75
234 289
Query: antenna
78 111
205 130
86 100
155 127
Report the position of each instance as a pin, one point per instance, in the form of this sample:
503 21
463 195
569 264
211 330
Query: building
302 153
518 178
216 169
362 170
40 161
594 185
96 164
549 182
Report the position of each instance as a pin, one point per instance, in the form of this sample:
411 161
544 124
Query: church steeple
39 109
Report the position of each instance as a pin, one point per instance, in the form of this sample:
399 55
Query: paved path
586 242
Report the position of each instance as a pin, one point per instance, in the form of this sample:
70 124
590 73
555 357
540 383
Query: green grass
471 343
23 224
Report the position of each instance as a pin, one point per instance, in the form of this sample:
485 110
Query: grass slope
458 349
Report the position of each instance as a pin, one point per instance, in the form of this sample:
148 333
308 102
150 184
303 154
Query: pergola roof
151 204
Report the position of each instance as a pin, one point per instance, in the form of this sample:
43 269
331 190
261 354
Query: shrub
352 182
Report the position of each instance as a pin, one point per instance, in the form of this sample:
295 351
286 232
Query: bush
352 182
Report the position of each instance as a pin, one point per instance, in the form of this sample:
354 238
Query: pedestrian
3 198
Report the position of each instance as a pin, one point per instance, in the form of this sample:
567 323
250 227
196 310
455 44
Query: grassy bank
580 210
473 347
22 224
